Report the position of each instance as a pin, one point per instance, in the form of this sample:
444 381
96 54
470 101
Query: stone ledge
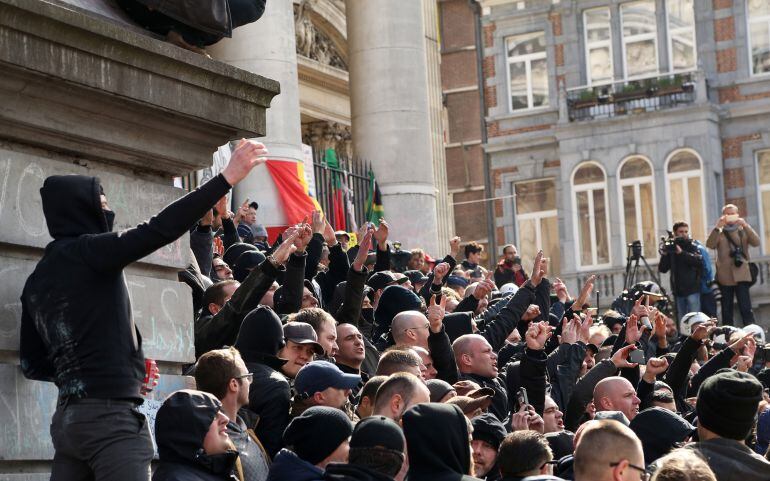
135 100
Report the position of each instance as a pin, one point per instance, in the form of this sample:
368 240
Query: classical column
390 113
268 46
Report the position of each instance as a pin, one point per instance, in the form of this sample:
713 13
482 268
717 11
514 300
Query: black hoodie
180 427
437 440
259 340
353 472
76 325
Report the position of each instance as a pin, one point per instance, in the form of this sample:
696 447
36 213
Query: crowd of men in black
316 361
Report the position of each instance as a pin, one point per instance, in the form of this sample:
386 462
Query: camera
668 244
738 256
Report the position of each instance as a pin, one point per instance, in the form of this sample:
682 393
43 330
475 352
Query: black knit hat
378 431
317 432
487 428
438 389
727 403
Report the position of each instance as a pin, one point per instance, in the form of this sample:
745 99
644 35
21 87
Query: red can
150 373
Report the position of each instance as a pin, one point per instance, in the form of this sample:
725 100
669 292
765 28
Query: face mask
110 216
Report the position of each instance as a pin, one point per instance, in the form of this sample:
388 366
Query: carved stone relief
328 135
311 42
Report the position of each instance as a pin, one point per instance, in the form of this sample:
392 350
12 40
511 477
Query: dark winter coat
287 466
76 327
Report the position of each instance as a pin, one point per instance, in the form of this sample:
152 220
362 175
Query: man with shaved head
609 451
477 362
616 393
428 369
410 328
400 392
399 360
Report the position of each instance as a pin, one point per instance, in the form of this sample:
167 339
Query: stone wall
84 92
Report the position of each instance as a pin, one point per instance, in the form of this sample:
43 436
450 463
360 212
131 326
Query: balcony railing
631 97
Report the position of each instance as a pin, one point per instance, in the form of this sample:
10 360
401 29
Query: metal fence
353 176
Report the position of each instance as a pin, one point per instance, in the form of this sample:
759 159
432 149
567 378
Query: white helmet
509 288
757 331
690 320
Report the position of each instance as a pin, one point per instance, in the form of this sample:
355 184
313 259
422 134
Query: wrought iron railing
630 97
353 176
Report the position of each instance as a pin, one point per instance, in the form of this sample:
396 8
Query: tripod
633 256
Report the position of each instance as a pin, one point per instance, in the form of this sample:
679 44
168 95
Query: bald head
616 394
474 355
398 393
410 328
602 444
399 360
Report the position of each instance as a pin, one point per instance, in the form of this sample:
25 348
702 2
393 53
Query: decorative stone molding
328 135
311 41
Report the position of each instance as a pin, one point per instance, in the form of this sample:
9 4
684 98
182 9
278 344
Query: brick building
606 120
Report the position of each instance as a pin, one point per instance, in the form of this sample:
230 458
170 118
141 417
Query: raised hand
221 207
584 328
483 288
569 331
317 222
304 234
436 313
633 331
561 290
584 298
439 272
364 244
243 210
218 246
381 234
532 312
454 246
282 252
655 367
246 156
538 271
703 330
620 358
641 309
537 335
328 233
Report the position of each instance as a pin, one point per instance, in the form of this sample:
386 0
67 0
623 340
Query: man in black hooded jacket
193 445
259 340
76 327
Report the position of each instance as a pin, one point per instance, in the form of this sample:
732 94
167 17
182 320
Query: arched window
685 192
763 178
637 208
591 216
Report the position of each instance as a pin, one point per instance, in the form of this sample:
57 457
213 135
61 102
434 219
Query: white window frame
592 219
749 22
597 44
670 38
636 182
638 38
761 188
527 59
686 175
537 215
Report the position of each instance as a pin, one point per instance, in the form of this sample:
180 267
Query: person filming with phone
681 256
731 238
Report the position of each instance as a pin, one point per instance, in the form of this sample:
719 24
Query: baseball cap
456 281
382 279
341 233
416 277
317 376
302 333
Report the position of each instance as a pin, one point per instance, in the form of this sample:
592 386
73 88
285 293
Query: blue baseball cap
456 281
316 376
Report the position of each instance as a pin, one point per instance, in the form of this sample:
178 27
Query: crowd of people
316 359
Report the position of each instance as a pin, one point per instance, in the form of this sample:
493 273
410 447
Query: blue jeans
685 304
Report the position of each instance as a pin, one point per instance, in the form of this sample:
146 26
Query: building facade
608 120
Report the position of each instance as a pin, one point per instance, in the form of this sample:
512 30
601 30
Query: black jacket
76 324
215 331
259 340
353 472
584 392
180 427
688 268
437 440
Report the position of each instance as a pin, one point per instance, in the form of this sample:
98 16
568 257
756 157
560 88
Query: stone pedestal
390 113
82 93
269 47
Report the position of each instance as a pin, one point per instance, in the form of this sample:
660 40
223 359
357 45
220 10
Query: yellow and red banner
291 184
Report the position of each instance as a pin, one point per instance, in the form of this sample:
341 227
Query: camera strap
731 241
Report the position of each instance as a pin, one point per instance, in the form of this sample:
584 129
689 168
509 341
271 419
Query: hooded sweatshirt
290 467
437 440
259 340
180 427
660 431
76 325
353 472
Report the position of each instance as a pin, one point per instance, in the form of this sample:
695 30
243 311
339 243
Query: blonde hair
683 465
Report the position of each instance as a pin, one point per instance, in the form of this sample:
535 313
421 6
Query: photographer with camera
731 238
680 255
509 268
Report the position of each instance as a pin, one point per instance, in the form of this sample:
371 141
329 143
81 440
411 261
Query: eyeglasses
552 462
426 326
644 476
249 375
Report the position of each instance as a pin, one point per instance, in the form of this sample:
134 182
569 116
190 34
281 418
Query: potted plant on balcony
630 91
670 85
587 98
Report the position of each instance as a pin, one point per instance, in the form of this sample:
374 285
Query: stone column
390 113
444 209
268 46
